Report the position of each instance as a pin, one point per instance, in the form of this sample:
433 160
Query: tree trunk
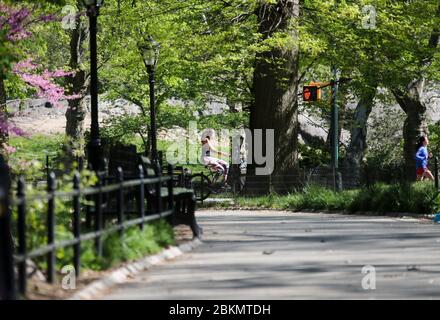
358 133
76 111
3 114
415 124
275 107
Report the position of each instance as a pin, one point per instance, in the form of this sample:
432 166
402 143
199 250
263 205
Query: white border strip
120 275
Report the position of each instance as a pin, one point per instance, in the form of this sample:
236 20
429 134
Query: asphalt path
285 255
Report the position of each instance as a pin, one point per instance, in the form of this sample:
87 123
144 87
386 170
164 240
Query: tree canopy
213 50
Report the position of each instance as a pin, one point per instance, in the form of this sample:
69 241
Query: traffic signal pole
311 93
335 132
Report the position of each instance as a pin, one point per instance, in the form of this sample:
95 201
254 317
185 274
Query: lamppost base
95 161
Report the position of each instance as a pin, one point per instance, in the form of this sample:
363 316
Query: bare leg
216 167
225 168
428 174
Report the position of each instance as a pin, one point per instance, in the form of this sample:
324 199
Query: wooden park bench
126 158
184 198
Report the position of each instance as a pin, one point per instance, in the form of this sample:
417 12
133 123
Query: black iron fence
324 176
152 196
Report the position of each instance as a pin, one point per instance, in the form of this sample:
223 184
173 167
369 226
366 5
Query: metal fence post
181 177
98 216
51 186
77 224
47 168
338 181
120 200
141 196
160 153
158 190
170 187
7 278
21 224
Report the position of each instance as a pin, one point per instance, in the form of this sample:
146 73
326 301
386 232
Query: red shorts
421 171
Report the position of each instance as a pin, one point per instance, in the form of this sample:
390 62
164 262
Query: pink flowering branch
17 20
14 22
44 82
8 127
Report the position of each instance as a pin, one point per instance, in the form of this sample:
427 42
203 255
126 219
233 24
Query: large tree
275 88
411 96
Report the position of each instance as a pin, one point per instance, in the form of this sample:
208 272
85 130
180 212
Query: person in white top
217 164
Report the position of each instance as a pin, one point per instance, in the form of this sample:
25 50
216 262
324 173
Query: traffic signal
312 92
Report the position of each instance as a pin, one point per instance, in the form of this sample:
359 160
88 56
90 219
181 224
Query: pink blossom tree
15 23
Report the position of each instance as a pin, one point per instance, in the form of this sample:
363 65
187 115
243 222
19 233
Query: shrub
418 197
134 244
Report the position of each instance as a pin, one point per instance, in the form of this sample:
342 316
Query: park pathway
284 255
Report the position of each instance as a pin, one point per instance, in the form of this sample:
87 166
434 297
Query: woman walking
422 157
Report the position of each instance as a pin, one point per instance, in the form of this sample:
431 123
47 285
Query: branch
132 100
399 95
306 70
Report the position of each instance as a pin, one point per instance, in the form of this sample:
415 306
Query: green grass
133 245
30 156
36 147
419 198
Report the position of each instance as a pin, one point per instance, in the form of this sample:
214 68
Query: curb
120 275
418 216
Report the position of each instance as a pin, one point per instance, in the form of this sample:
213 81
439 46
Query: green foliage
207 50
222 121
414 198
126 129
313 156
434 139
36 210
30 156
134 244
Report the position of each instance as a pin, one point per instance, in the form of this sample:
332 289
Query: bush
416 198
420 197
134 244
